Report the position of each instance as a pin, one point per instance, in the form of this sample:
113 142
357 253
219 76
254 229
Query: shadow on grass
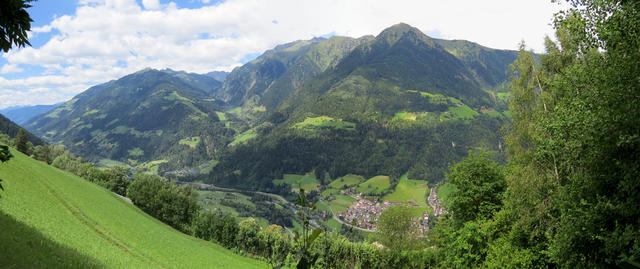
24 247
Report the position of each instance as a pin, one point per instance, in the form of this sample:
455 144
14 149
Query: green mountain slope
268 80
11 129
149 115
52 219
402 102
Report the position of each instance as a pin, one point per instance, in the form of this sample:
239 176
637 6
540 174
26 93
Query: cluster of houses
364 213
435 203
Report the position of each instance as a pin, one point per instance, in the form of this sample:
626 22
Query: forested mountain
396 103
401 102
22 115
260 85
149 115
11 129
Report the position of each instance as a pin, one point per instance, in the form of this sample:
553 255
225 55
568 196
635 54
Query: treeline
280 248
569 196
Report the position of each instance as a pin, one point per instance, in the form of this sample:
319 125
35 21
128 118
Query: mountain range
400 102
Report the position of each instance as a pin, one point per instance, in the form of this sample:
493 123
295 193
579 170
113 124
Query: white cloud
106 39
151 4
10 68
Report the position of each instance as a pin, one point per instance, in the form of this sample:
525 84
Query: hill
152 115
23 114
400 102
11 129
52 219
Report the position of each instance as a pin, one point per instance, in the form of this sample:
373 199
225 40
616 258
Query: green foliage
5 155
173 205
21 142
479 186
397 230
15 22
462 246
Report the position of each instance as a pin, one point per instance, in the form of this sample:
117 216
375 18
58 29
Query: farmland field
53 219
341 203
409 190
374 185
306 181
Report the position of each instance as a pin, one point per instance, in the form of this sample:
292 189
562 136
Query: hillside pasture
307 181
375 185
409 190
345 181
53 219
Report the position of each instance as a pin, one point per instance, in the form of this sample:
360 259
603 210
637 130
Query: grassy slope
375 184
409 190
52 219
307 181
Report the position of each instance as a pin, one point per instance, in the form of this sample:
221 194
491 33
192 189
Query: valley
228 134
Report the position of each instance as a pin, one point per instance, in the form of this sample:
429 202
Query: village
364 213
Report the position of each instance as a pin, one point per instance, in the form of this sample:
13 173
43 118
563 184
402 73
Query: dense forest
569 195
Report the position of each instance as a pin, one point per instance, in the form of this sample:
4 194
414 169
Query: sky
77 44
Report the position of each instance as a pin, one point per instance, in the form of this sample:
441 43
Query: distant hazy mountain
400 102
144 116
10 128
218 75
22 114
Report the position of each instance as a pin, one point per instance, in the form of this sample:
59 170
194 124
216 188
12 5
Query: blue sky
80 43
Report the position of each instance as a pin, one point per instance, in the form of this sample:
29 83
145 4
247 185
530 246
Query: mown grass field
307 181
341 203
324 121
374 185
409 190
345 181
243 137
52 219
459 112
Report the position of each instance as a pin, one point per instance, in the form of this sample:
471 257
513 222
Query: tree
397 230
574 145
15 22
5 155
479 187
21 141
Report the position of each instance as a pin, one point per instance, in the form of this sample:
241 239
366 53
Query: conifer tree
21 141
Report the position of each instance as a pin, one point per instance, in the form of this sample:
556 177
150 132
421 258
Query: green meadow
53 219
307 181
409 190
374 185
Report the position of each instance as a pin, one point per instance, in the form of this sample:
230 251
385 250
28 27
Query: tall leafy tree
479 187
574 145
15 22
396 229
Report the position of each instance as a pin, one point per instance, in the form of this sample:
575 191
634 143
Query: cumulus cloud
106 39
